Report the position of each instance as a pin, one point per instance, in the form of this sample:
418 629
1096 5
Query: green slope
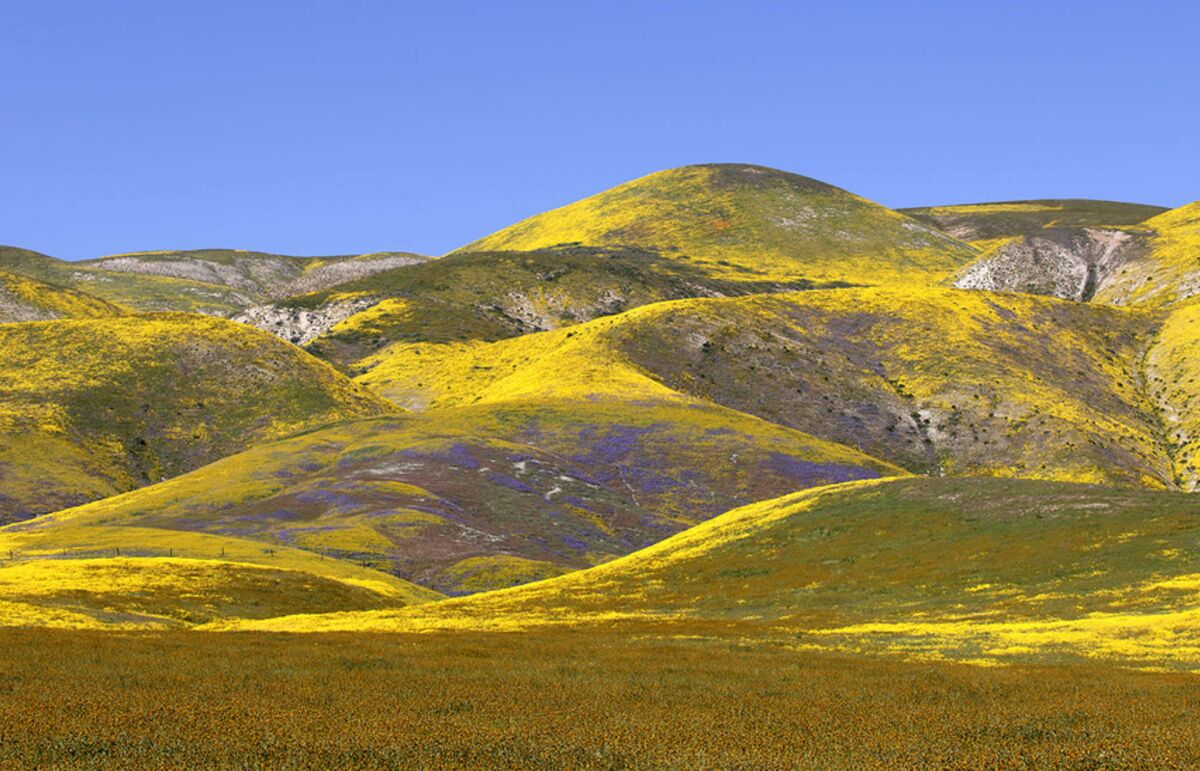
747 223
989 569
89 408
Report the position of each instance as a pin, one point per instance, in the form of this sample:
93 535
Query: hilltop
93 407
746 223
976 569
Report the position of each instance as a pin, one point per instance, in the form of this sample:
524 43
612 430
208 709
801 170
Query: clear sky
316 128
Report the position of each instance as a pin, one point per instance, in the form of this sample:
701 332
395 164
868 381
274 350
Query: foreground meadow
561 698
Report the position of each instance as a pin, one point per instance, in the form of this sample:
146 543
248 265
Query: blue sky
316 128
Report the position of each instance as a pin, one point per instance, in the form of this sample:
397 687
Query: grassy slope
27 299
1167 272
977 569
89 408
494 295
992 222
746 223
479 498
942 381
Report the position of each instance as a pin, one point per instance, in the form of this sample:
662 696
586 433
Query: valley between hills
721 418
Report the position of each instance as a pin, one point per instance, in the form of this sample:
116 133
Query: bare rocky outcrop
1069 263
301 326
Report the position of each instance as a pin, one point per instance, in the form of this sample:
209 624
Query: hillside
991 222
978 569
486 296
478 498
1166 271
93 407
1071 263
132 290
27 299
1151 264
746 223
218 282
936 381
258 274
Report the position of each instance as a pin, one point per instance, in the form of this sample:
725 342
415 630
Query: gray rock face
1070 263
301 326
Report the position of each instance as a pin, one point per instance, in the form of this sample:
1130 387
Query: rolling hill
977 569
27 299
746 223
477 498
937 381
486 296
258 274
219 282
93 407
